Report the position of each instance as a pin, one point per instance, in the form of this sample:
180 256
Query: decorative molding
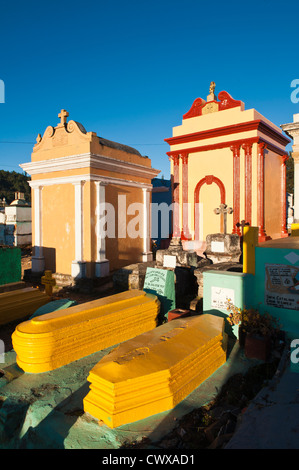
185 234
195 109
38 221
227 102
247 147
89 160
262 236
221 145
184 157
67 128
101 242
79 220
87 177
256 124
284 232
200 106
209 179
291 129
176 159
176 195
210 107
236 188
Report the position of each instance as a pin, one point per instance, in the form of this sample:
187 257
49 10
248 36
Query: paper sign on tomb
282 286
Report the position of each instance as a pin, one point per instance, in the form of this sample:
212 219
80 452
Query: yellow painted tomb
154 371
17 304
55 339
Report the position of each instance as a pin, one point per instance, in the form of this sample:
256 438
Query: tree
290 174
12 182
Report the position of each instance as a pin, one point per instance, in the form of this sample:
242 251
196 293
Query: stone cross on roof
63 117
223 210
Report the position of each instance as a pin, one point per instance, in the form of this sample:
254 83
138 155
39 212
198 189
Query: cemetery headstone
175 256
223 248
49 282
161 282
221 286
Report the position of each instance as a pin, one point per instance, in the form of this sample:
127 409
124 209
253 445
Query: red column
248 181
284 232
261 192
185 232
176 196
236 197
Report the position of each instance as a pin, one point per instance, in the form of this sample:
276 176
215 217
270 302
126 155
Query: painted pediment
71 138
213 104
65 134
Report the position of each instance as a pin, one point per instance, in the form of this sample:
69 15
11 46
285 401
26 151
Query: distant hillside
11 182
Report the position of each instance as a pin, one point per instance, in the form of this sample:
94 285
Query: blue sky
128 70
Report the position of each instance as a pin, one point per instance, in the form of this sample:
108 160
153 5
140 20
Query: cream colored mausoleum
73 173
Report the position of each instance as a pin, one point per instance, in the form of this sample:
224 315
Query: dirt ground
26 259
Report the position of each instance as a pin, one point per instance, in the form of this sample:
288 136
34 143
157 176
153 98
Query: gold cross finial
63 116
212 87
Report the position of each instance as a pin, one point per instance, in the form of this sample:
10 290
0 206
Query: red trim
257 125
195 109
221 145
284 232
272 148
236 178
209 179
185 234
247 147
176 196
227 102
262 236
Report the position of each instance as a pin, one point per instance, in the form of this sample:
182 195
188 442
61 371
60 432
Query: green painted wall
275 285
10 265
220 285
274 288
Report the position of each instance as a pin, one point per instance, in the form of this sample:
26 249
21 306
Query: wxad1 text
169 459
150 459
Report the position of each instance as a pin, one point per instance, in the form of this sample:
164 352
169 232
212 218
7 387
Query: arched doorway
209 179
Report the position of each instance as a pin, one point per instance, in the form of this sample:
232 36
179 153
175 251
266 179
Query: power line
146 144
9 142
31 143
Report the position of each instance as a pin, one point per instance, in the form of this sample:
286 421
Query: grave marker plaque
282 286
161 282
169 261
218 247
220 297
